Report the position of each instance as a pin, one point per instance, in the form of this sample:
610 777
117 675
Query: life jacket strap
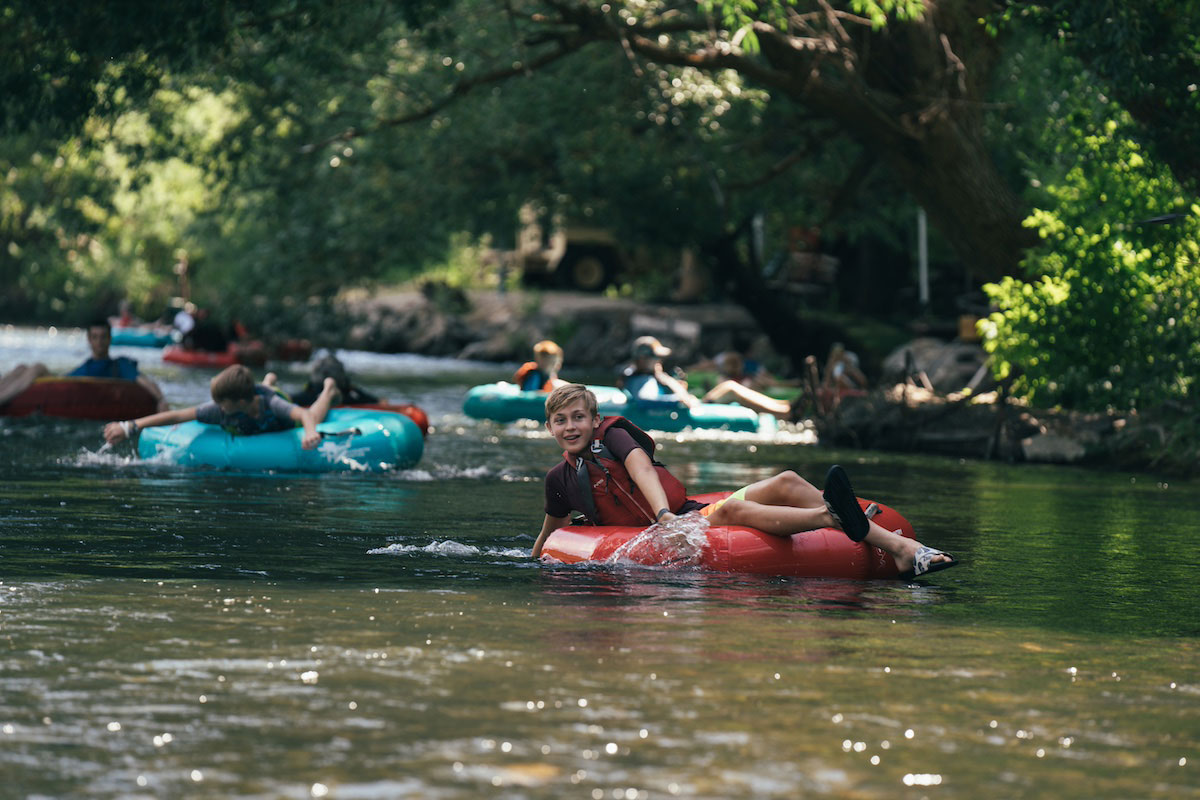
584 480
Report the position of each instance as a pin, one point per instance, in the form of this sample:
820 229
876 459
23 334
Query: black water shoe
843 505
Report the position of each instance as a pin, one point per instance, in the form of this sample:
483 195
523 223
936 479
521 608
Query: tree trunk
911 94
792 335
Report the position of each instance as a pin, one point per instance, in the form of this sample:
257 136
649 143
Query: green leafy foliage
290 149
106 214
1109 316
1146 54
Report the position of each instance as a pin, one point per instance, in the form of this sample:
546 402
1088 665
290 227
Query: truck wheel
586 271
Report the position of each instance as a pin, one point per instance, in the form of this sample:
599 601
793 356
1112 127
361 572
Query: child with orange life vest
608 473
541 374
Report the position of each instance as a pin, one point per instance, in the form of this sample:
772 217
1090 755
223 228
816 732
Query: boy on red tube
608 473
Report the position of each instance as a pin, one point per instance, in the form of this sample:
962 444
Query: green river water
169 632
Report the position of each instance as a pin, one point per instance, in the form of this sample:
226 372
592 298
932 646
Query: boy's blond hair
232 383
551 350
564 396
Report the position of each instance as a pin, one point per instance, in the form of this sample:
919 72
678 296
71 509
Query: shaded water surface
167 632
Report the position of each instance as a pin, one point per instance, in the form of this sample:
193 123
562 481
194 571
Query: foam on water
440 472
448 548
106 456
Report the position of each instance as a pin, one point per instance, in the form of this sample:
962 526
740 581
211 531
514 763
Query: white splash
444 472
106 456
676 543
448 548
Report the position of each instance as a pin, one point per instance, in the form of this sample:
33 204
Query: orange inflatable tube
822 553
415 413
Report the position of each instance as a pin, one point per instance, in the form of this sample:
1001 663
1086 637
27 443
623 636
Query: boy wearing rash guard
607 458
240 407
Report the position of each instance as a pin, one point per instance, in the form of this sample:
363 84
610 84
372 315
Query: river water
171 632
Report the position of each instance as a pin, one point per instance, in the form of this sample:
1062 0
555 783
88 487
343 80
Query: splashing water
676 543
449 548
105 456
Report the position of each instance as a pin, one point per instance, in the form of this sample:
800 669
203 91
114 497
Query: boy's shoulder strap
583 480
640 437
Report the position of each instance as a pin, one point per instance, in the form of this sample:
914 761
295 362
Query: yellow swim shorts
740 494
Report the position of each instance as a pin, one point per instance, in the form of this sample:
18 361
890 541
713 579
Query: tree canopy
289 148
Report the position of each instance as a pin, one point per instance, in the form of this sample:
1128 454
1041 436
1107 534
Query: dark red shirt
563 493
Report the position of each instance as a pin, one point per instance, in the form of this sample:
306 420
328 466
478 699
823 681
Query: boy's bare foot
917 559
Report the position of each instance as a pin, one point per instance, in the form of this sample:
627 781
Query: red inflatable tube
82 398
823 553
292 350
407 409
252 355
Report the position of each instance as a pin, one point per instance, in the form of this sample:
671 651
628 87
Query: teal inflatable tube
504 402
353 440
141 337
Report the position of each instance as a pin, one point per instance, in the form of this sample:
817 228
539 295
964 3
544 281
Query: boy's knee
730 513
793 480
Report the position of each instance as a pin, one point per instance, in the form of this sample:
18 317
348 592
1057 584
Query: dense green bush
1108 317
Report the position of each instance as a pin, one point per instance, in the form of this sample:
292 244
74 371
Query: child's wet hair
564 396
330 367
232 383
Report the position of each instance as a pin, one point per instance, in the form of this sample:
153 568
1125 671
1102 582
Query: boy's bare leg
781 505
320 407
19 379
748 397
786 504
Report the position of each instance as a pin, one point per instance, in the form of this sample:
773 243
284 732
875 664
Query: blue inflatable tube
353 440
505 402
142 337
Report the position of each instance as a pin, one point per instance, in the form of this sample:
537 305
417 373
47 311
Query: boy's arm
646 478
549 526
116 431
311 438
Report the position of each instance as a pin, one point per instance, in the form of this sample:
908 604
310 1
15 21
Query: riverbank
910 419
595 332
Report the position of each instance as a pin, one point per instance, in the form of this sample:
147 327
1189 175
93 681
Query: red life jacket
615 498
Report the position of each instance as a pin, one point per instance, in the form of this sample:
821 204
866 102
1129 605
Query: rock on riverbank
594 331
907 418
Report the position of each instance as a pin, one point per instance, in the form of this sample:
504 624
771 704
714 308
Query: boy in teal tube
240 406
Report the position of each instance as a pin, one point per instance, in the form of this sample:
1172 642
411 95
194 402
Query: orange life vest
615 498
526 369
